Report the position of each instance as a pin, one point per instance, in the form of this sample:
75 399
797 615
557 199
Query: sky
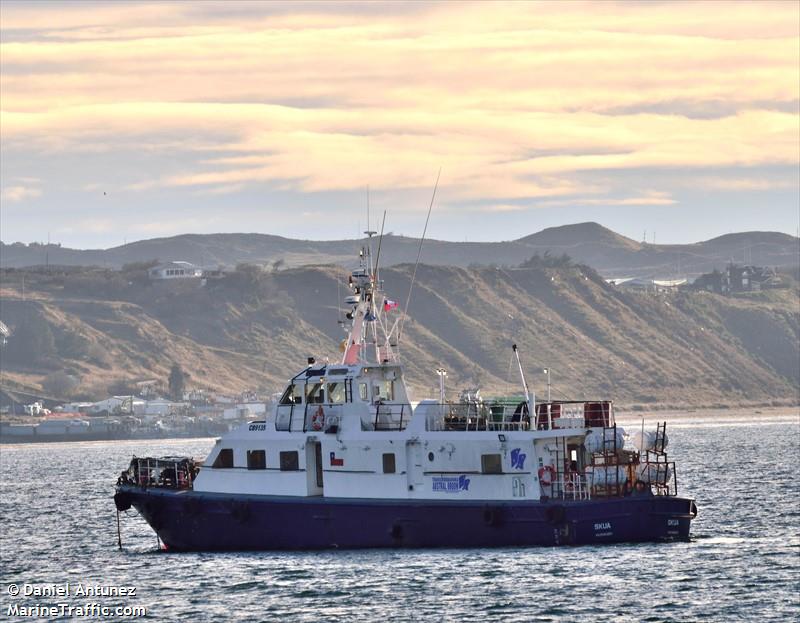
132 120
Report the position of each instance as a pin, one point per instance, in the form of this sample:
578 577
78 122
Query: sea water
58 532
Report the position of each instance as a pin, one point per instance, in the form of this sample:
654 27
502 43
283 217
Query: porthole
430 456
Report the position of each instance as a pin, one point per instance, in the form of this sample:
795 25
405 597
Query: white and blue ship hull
198 521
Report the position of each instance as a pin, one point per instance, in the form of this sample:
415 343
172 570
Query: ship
346 459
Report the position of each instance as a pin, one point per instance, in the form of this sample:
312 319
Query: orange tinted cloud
512 99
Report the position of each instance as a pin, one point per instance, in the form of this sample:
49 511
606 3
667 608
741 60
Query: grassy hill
254 329
609 253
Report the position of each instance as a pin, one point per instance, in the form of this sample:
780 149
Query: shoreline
757 413
621 415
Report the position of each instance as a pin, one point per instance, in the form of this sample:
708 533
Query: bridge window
315 393
362 391
256 459
382 390
336 393
389 463
290 461
491 464
292 395
224 458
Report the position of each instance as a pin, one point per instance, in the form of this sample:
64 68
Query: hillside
588 243
252 329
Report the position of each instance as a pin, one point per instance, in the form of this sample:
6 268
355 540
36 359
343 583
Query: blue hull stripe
189 520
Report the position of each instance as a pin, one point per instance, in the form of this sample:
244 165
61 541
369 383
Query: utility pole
547 372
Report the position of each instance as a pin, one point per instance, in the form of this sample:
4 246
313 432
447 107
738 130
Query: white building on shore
176 270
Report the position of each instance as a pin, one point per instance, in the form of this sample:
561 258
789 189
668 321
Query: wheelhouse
327 397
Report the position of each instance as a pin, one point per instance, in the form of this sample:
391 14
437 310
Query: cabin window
256 459
382 390
289 461
362 391
336 393
491 464
388 463
292 395
224 458
315 393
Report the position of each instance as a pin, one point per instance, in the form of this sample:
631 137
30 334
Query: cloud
518 103
19 193
735 184
647 198
502 207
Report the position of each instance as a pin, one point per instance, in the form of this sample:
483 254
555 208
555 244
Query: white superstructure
348 430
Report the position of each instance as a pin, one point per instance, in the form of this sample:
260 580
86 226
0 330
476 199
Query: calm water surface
58 525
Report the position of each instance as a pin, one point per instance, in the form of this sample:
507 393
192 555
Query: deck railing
169 472
570 487
313 416
504 415
390 416
482 416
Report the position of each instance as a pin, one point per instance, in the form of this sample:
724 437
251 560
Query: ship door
318 461
414 465
314 471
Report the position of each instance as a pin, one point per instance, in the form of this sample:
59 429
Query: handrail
478 416
309 408
170 473
571 487
389 409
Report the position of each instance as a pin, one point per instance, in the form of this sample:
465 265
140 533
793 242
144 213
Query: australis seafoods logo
450 484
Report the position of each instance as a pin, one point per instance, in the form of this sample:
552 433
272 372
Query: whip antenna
419 252
380 242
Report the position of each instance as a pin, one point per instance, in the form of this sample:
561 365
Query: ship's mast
367 314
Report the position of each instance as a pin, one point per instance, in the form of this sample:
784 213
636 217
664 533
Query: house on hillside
175 270
737 278
714 281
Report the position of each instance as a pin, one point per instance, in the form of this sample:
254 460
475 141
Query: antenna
380 242
419 252
339 301
522 375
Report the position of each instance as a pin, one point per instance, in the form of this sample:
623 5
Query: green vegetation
548 261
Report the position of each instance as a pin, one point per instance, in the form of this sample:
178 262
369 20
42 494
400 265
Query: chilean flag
336 462
390 305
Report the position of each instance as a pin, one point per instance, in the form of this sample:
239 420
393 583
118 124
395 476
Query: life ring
318 419
546 475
